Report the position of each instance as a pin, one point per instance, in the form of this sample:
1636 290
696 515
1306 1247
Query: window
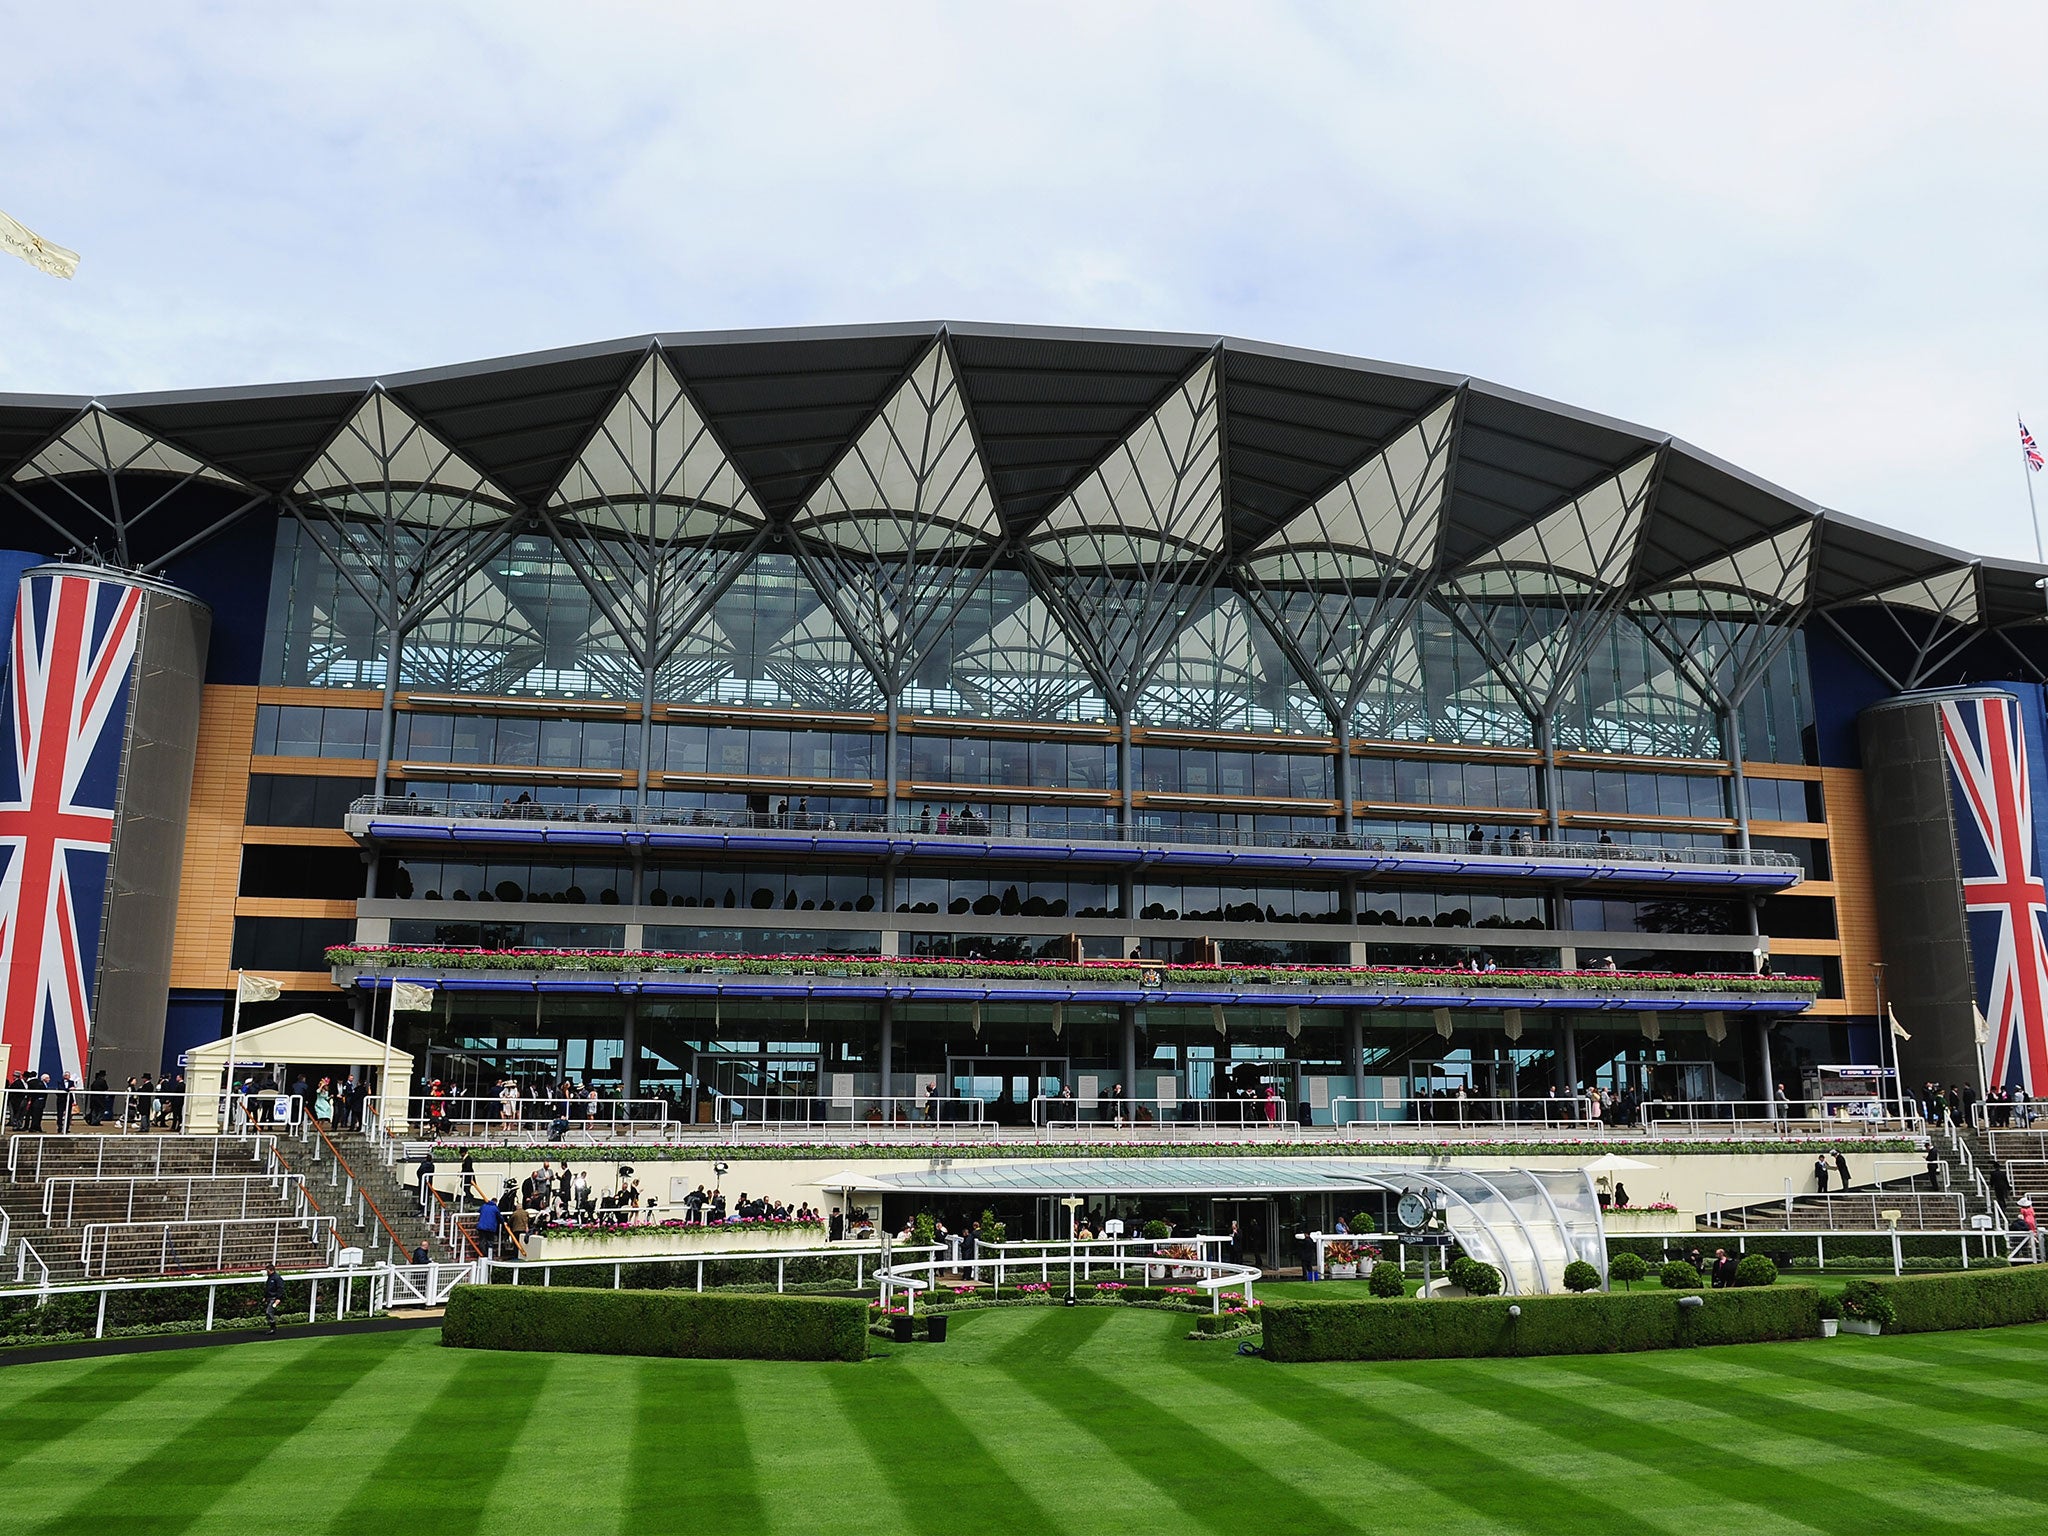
314 874
1784 800
313 730
298 800
288 943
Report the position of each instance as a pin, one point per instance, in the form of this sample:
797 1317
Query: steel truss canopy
1116 486
1528 1223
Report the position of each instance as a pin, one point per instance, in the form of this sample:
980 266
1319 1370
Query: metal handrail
258 1146
1726 1203
356 1185
1564 1110
25 1255
999 823
318 1228
378 1278
618 1116
281 1183
1834 1114
912 1279
1978 1182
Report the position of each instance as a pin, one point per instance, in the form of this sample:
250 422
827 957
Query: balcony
796 978
414 823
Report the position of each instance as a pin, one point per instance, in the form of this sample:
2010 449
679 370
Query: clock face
1412 1211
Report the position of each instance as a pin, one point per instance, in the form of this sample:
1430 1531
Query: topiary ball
1581 1276
1756 1269
1680 1276
1627 1268
1385 1280
1481 1279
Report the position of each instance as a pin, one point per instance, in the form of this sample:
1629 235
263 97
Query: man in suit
1820 1172
1842 1167
1724 1269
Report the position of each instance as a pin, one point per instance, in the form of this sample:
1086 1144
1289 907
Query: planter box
1343 1271
669 1242
1828 1325
1632 1220
1861 1325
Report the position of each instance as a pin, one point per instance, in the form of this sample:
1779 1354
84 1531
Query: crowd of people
35 1104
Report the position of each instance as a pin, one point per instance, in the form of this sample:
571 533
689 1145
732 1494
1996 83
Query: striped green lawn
1032 1421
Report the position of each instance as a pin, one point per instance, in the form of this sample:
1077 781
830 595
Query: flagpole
384 1072
2028 471
228 1083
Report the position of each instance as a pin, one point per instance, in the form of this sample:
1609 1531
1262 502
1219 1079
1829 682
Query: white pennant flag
17 239
411 997
256 989
1897 1028
1983 1025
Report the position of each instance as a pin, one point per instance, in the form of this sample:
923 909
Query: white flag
256 989
1983 1025
17 239
411 997
1897 1028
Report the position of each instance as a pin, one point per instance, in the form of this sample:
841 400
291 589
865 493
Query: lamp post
1073 1205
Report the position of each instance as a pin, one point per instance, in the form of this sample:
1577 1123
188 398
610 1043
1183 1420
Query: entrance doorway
1006 1085
1257 1230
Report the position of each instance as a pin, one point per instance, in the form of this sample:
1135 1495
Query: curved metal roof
1048 407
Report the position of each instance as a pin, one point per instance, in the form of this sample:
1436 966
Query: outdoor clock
1412 1211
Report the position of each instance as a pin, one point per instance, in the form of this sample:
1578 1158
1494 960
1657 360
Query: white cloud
1805 238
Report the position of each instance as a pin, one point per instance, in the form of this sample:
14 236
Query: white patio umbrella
1615 1163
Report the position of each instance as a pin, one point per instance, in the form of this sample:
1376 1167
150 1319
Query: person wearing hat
2026 1215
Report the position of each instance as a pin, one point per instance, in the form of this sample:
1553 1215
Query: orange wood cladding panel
212 868
1855 899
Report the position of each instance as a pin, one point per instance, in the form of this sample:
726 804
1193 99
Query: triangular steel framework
100 446
1337 581
904 526
1724 623
1534 604
399 513
653 515
1126 556
1945 606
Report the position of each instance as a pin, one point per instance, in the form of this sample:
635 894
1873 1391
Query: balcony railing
1508 847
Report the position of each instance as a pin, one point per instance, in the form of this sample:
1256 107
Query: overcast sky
1807 239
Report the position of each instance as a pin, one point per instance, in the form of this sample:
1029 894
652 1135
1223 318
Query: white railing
484 1116
96 1239
2004 1114
276 1187
1359 1118
1918 1211
522 1270
28 1154
346 1280
26 1259
1829 1117
757 1112
1105 1113
1988 1239
1961 1147
1076 1267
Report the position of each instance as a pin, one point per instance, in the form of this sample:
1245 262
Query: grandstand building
1568 753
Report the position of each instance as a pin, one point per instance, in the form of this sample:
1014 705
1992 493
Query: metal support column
1354 1048
891 745
1343 783
629 1061
1569 1057
1763 1051
888 1046
1130 1023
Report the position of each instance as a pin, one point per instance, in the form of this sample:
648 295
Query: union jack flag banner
65 698
2003 891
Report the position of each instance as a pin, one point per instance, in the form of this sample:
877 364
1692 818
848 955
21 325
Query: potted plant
1340 1261
1866 1308
1830 1316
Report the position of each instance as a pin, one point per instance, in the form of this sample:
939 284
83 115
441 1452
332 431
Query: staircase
346 1177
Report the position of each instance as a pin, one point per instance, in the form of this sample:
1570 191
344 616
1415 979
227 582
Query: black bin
904 1328
935 1329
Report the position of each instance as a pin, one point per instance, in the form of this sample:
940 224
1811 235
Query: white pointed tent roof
1950 595
1591 536
98 443
1386 512
1162 486
1773 568
652 451
303 1039
913 478
383 446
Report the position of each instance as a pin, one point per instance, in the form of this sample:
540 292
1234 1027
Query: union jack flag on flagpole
2030 448
1995 837
66 704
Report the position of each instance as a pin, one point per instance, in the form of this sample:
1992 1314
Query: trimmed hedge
1549 1325
1149 974
1991 1298
678 1324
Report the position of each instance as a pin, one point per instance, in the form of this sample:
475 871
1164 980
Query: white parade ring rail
1211 1275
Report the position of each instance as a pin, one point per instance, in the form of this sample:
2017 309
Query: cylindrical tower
101 699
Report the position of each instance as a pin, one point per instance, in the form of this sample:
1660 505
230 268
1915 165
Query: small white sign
348 1258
